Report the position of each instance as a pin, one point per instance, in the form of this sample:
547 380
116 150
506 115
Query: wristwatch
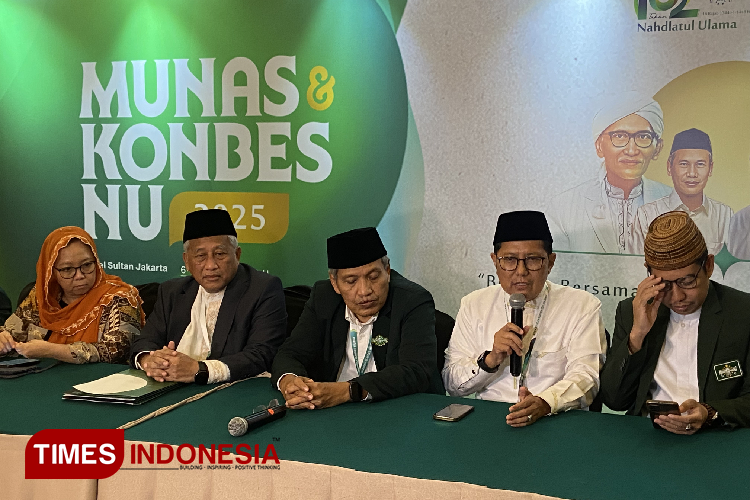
201 376
355 391
712 419
483 365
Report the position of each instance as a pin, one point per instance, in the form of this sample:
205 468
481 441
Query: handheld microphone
239 426
517 302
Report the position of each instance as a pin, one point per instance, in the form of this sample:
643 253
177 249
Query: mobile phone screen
453 412
656 408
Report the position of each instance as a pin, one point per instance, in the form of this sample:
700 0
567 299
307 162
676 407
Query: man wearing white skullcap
597 215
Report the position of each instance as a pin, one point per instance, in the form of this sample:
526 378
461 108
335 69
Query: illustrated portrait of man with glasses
562 344
597 215
682 338
690 164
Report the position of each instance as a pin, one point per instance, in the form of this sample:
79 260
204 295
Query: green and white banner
505 95
121 117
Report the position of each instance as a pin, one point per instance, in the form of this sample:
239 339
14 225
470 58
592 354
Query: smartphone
453 413
19 362
656 408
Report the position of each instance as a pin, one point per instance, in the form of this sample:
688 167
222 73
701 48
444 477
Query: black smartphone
19 362
657 408
453 412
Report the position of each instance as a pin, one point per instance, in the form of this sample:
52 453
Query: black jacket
406 364
250 328
723 336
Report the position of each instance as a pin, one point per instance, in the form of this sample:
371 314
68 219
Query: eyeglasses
69 272
686 282
511 263
643 138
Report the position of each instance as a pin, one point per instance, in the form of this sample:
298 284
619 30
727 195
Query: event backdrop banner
572 108
121 117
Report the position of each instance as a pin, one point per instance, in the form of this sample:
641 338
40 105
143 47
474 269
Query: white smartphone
453 412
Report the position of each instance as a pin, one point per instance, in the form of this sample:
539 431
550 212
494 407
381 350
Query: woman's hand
43 349
7 343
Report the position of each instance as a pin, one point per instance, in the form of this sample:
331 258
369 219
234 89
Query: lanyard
355 351
525 366
527 357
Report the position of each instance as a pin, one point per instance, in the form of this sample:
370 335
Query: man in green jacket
682 338
366 333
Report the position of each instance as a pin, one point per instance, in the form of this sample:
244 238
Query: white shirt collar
618 193
675 203
679 318
210 297
352 318
530 304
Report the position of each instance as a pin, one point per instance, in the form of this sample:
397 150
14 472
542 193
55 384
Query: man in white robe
597 215
562 344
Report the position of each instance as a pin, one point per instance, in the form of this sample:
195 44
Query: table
573 455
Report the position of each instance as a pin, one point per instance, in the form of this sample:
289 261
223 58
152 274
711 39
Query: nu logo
641 9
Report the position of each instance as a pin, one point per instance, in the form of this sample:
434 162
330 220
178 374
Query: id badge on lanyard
355 351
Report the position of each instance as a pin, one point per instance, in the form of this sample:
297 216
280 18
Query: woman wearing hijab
75 313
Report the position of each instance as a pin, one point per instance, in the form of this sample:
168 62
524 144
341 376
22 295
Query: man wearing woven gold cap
682 338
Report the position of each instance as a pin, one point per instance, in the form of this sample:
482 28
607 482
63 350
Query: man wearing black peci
562 343
225 322
366 333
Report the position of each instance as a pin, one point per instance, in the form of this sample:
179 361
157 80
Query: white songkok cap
628 103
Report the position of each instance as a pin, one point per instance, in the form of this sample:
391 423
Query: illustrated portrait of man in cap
682 338
562 343
690 164
366 333
224 322
597 215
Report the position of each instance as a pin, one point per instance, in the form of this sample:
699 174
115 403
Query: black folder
152 390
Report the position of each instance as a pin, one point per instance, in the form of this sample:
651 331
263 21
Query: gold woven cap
673 242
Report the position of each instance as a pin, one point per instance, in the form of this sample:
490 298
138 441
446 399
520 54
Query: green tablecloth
574 455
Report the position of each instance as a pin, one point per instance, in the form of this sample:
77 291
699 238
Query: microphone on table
517 302
239 426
